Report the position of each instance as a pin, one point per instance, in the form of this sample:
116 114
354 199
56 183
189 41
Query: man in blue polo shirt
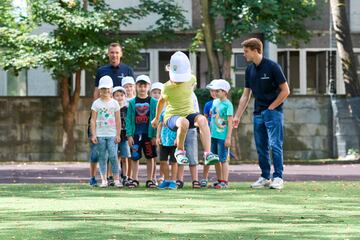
265 79
116 70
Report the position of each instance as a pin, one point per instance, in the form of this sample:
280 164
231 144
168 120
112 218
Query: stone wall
308 130
31 129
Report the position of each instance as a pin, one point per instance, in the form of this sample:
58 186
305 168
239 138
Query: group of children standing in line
127 123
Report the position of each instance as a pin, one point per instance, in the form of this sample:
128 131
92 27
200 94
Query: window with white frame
31 82
240 66
289 62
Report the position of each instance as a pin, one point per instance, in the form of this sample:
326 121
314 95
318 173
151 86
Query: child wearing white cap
128 83
156 89
105 129
221 129
180 114
119 94
141 135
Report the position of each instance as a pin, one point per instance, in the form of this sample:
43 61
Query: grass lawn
304 210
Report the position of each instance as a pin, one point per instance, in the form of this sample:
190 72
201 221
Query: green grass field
306 210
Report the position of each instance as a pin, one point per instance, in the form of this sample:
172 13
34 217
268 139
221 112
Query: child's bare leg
124 163
206 172
225 171
135 169
174 171
164 167
202 123
149 168
183 125
180 173
194 173
93 169
129 170
154 169
218 169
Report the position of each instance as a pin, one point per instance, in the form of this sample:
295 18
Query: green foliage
81 36
278 20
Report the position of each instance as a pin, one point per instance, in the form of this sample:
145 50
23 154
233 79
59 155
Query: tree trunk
227 53
345 47
70 105
208 28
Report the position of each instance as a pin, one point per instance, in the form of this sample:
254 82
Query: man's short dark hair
114 45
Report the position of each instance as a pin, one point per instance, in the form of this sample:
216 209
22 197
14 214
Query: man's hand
130 141
153 141
154 122
236 121
228 142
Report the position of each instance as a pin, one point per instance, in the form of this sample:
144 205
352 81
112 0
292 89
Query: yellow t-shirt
178 97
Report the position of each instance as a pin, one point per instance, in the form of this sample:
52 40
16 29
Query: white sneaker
118 184
277 183
104 184
260 183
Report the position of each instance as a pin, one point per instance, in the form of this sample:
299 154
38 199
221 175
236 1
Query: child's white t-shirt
105 121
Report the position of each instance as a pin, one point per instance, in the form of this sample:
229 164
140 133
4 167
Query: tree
277 20
82 32
345 47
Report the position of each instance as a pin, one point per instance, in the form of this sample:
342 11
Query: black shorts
167 153
171 122
142 143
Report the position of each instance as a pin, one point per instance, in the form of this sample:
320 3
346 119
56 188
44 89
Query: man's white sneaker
104 184
277 183
118 184
261 183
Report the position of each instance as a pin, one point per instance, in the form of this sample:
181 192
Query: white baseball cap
157 85
118 88
211 84
179 70
105 82
127 80
221 84
143 78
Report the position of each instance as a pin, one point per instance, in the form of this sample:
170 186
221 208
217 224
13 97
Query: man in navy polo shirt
265 79
116 70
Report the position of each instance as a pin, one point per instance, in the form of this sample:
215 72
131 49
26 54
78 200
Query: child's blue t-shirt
167 136
220 112
207 109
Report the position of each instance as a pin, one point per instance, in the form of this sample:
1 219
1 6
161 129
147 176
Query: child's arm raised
159 107
118 126
93 126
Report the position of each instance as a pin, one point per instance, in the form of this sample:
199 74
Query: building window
32 82
289 62
240 66
144 64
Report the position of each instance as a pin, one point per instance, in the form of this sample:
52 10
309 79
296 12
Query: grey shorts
191 146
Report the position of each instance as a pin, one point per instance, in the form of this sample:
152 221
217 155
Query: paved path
78 172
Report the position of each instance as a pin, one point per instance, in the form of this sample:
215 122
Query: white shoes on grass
277 183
